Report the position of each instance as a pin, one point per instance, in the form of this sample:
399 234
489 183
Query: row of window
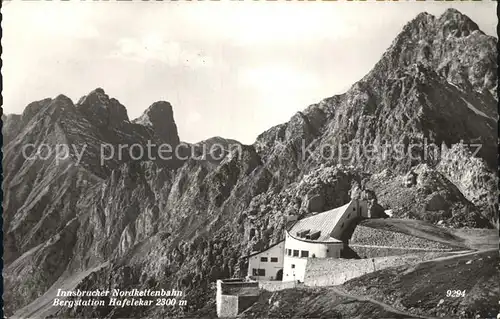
262 272
295 253
273 259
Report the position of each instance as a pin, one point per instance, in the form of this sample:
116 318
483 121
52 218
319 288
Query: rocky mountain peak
33 108
439 43
160 117
102 110
160 108
62 101
457 24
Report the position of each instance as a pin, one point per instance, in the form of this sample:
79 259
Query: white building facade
322 235
267 264
298 251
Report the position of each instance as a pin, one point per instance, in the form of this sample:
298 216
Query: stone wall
378 237
276 285
240 288
336 271
366 251
234 296
227 306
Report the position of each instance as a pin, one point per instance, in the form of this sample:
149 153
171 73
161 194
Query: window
274 259
293 266
304 253
354 209
342 226
264 259
289 251
258 272
295 253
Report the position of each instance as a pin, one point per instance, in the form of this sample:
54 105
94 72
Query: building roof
262 251
323 222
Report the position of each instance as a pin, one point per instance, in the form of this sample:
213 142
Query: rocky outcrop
440 43
11 125
432 197
102 111
160 118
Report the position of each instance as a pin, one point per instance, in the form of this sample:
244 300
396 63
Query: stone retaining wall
336 271
374 251
276 285
379 237
234 296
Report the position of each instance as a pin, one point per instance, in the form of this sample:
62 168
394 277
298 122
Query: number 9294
455 293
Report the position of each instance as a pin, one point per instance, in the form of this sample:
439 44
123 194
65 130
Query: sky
231 69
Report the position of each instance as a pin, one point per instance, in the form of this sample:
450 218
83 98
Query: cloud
153 48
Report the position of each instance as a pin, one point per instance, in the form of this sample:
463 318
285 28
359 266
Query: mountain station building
322 235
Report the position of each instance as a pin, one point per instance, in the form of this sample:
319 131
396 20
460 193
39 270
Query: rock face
11 125
101 110
160 118
183 223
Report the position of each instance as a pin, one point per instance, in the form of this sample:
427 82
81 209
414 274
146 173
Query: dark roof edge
259 252
315 241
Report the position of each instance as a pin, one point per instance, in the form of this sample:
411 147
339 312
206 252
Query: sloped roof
323 222
262 251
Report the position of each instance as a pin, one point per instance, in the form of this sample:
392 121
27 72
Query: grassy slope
421 289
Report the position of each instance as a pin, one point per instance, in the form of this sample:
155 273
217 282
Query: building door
279 274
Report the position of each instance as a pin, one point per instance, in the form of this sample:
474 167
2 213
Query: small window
328 250
342 226
293 266
264 259
304 253
258 272
349 215
289 252
295 253
274 259
354 209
